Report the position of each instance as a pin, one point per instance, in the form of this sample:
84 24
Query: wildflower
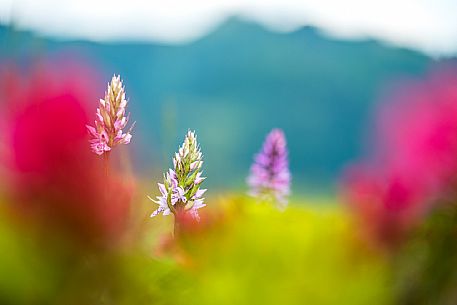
181 191
110 119
270 176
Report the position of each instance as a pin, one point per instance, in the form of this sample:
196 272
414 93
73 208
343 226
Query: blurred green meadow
242 253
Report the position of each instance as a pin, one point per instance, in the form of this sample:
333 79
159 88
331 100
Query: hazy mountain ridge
241 80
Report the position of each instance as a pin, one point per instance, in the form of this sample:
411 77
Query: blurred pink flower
415 161
386 204
55 181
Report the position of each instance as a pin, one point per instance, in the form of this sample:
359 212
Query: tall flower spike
110 119
270 177
181 191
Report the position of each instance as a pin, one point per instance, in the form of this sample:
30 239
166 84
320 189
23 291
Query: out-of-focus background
233 70
365 92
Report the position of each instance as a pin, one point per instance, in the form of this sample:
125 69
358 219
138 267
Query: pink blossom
414 166
110 120
54 181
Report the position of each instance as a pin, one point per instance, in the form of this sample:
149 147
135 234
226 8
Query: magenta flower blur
270 177
110 120
181 191
413 167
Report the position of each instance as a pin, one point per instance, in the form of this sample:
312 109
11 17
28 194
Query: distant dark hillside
237 83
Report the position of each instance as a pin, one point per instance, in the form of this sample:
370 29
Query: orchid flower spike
181 190
110 120
270 177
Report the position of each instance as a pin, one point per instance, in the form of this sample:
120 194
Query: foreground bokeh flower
54 182
181 192
414 167
270 176
110 119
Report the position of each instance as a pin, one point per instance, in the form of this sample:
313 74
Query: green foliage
426 267
25 276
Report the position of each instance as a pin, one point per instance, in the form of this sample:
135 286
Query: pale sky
427 25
